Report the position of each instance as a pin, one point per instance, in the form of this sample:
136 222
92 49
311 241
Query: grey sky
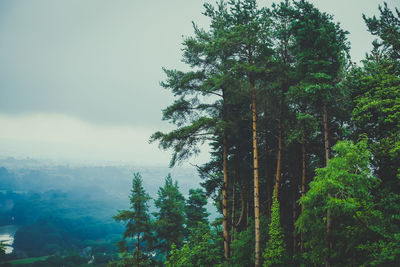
96 65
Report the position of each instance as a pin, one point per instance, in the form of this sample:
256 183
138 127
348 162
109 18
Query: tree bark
279 160
242 199
257 250
225 185
327 156
294 201
233 211
137 249
326 132
225 200
269 185
303 185
247 212
280 146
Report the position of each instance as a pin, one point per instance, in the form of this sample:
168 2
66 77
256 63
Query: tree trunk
280 147
242 199
294 201
257 250
267 178
327 156
247 212
225 200
225 185
233 211
279 160
137 249
326 132
303 185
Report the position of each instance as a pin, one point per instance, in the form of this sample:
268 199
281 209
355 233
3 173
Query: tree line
304 143
148 238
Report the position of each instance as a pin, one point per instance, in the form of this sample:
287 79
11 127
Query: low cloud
61 137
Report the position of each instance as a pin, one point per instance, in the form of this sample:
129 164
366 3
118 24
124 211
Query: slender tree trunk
327 156
294 220
225 200
225 186
280 146
294 200
247 212
269 190
233 211
257 249
242 200
326 132
137 249
303 184
279 160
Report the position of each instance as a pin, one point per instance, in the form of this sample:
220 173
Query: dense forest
304 165
304 162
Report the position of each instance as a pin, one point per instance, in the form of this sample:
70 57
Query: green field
27 260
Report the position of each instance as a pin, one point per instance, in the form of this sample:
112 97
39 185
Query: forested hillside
304 162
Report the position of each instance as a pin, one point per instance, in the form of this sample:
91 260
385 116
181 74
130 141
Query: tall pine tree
137 219
169 219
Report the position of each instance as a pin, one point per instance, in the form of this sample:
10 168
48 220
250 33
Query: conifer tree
207 53
137 219
169 219
387 27
195 208
321 47
251 40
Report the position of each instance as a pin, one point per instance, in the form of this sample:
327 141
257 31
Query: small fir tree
195 208
275 253
170 219
136 219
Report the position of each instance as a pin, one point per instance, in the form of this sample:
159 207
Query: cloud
98 60
61 137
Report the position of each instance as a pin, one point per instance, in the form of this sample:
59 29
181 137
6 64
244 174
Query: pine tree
251 40
169 219
137 219
207 53
387 27
195 208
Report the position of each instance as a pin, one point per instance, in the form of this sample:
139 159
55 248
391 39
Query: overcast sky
79 80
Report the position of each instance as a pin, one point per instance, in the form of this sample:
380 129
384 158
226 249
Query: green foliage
69 260
46 236
137 220
275 253
169 219
199 250
294 57
2 250
376 114
243 252
343 187
321 48
129 260
387 27
195 208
